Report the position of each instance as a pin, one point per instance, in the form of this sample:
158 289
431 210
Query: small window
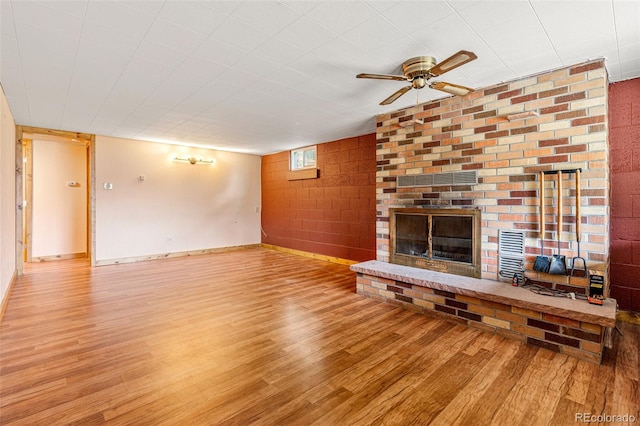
303 158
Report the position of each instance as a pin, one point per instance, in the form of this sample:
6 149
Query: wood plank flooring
257 336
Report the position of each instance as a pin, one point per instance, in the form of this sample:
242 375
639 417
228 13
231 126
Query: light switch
107 185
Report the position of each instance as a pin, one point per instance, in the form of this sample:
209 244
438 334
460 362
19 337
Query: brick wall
624 139
333 215
473 133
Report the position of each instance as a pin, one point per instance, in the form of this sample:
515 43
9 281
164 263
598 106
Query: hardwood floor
257 336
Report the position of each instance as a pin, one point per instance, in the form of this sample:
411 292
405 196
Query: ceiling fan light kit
419 70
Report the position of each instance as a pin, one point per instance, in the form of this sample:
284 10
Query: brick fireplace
504 135
474 133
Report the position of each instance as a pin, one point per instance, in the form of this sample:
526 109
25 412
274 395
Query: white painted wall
7 196
178 207
59 210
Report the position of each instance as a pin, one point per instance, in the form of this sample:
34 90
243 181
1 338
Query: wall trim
56 257
105 262
317 256
7 294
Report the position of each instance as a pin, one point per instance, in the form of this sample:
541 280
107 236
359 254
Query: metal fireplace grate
510 254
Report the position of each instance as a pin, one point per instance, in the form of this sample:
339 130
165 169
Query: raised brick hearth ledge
573 327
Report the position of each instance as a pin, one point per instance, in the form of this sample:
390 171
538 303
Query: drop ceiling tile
7 28
494 21
130 76
159 55
50 19
10 54
305 34
446 36
277 51
126 17
629 51
267 17
109 41
214 93
343 18
194 103
151 8
373 33
219 52
388 58
248 65
174 36
627 19
411 16
236 33
575 32
338 51
192 15
237 78
630 66
48 47
383 5
77 7
225 7
18 103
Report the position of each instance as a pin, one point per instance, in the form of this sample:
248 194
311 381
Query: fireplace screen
445 240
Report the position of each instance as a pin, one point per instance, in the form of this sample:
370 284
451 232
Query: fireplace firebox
444 239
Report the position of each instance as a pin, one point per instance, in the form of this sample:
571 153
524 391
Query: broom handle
542 209
559 208
578 216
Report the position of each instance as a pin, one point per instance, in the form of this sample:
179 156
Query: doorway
56 192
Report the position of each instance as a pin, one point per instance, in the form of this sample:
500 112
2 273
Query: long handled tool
558 262
542 262
578 222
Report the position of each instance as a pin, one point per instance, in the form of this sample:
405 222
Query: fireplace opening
445 240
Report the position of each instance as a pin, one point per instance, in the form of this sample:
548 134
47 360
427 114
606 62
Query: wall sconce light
194 160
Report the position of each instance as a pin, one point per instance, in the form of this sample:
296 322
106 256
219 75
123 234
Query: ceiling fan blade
382 77
454 89
453 61
396 95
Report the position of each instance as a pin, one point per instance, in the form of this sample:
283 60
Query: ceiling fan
419 70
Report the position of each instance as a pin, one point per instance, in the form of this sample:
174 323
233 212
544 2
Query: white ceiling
266 76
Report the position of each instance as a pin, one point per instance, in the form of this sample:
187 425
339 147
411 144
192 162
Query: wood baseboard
5 299
56 257
326 258
105 262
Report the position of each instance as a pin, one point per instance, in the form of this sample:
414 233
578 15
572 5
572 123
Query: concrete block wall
473 133
333 215
624 135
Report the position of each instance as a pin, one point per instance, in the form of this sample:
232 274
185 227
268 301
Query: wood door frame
27 191
20 182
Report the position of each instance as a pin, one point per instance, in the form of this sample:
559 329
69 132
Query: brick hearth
572 327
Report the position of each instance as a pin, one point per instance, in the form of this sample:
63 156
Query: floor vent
439 179
510 254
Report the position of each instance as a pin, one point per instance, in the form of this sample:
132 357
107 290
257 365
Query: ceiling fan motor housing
418 67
